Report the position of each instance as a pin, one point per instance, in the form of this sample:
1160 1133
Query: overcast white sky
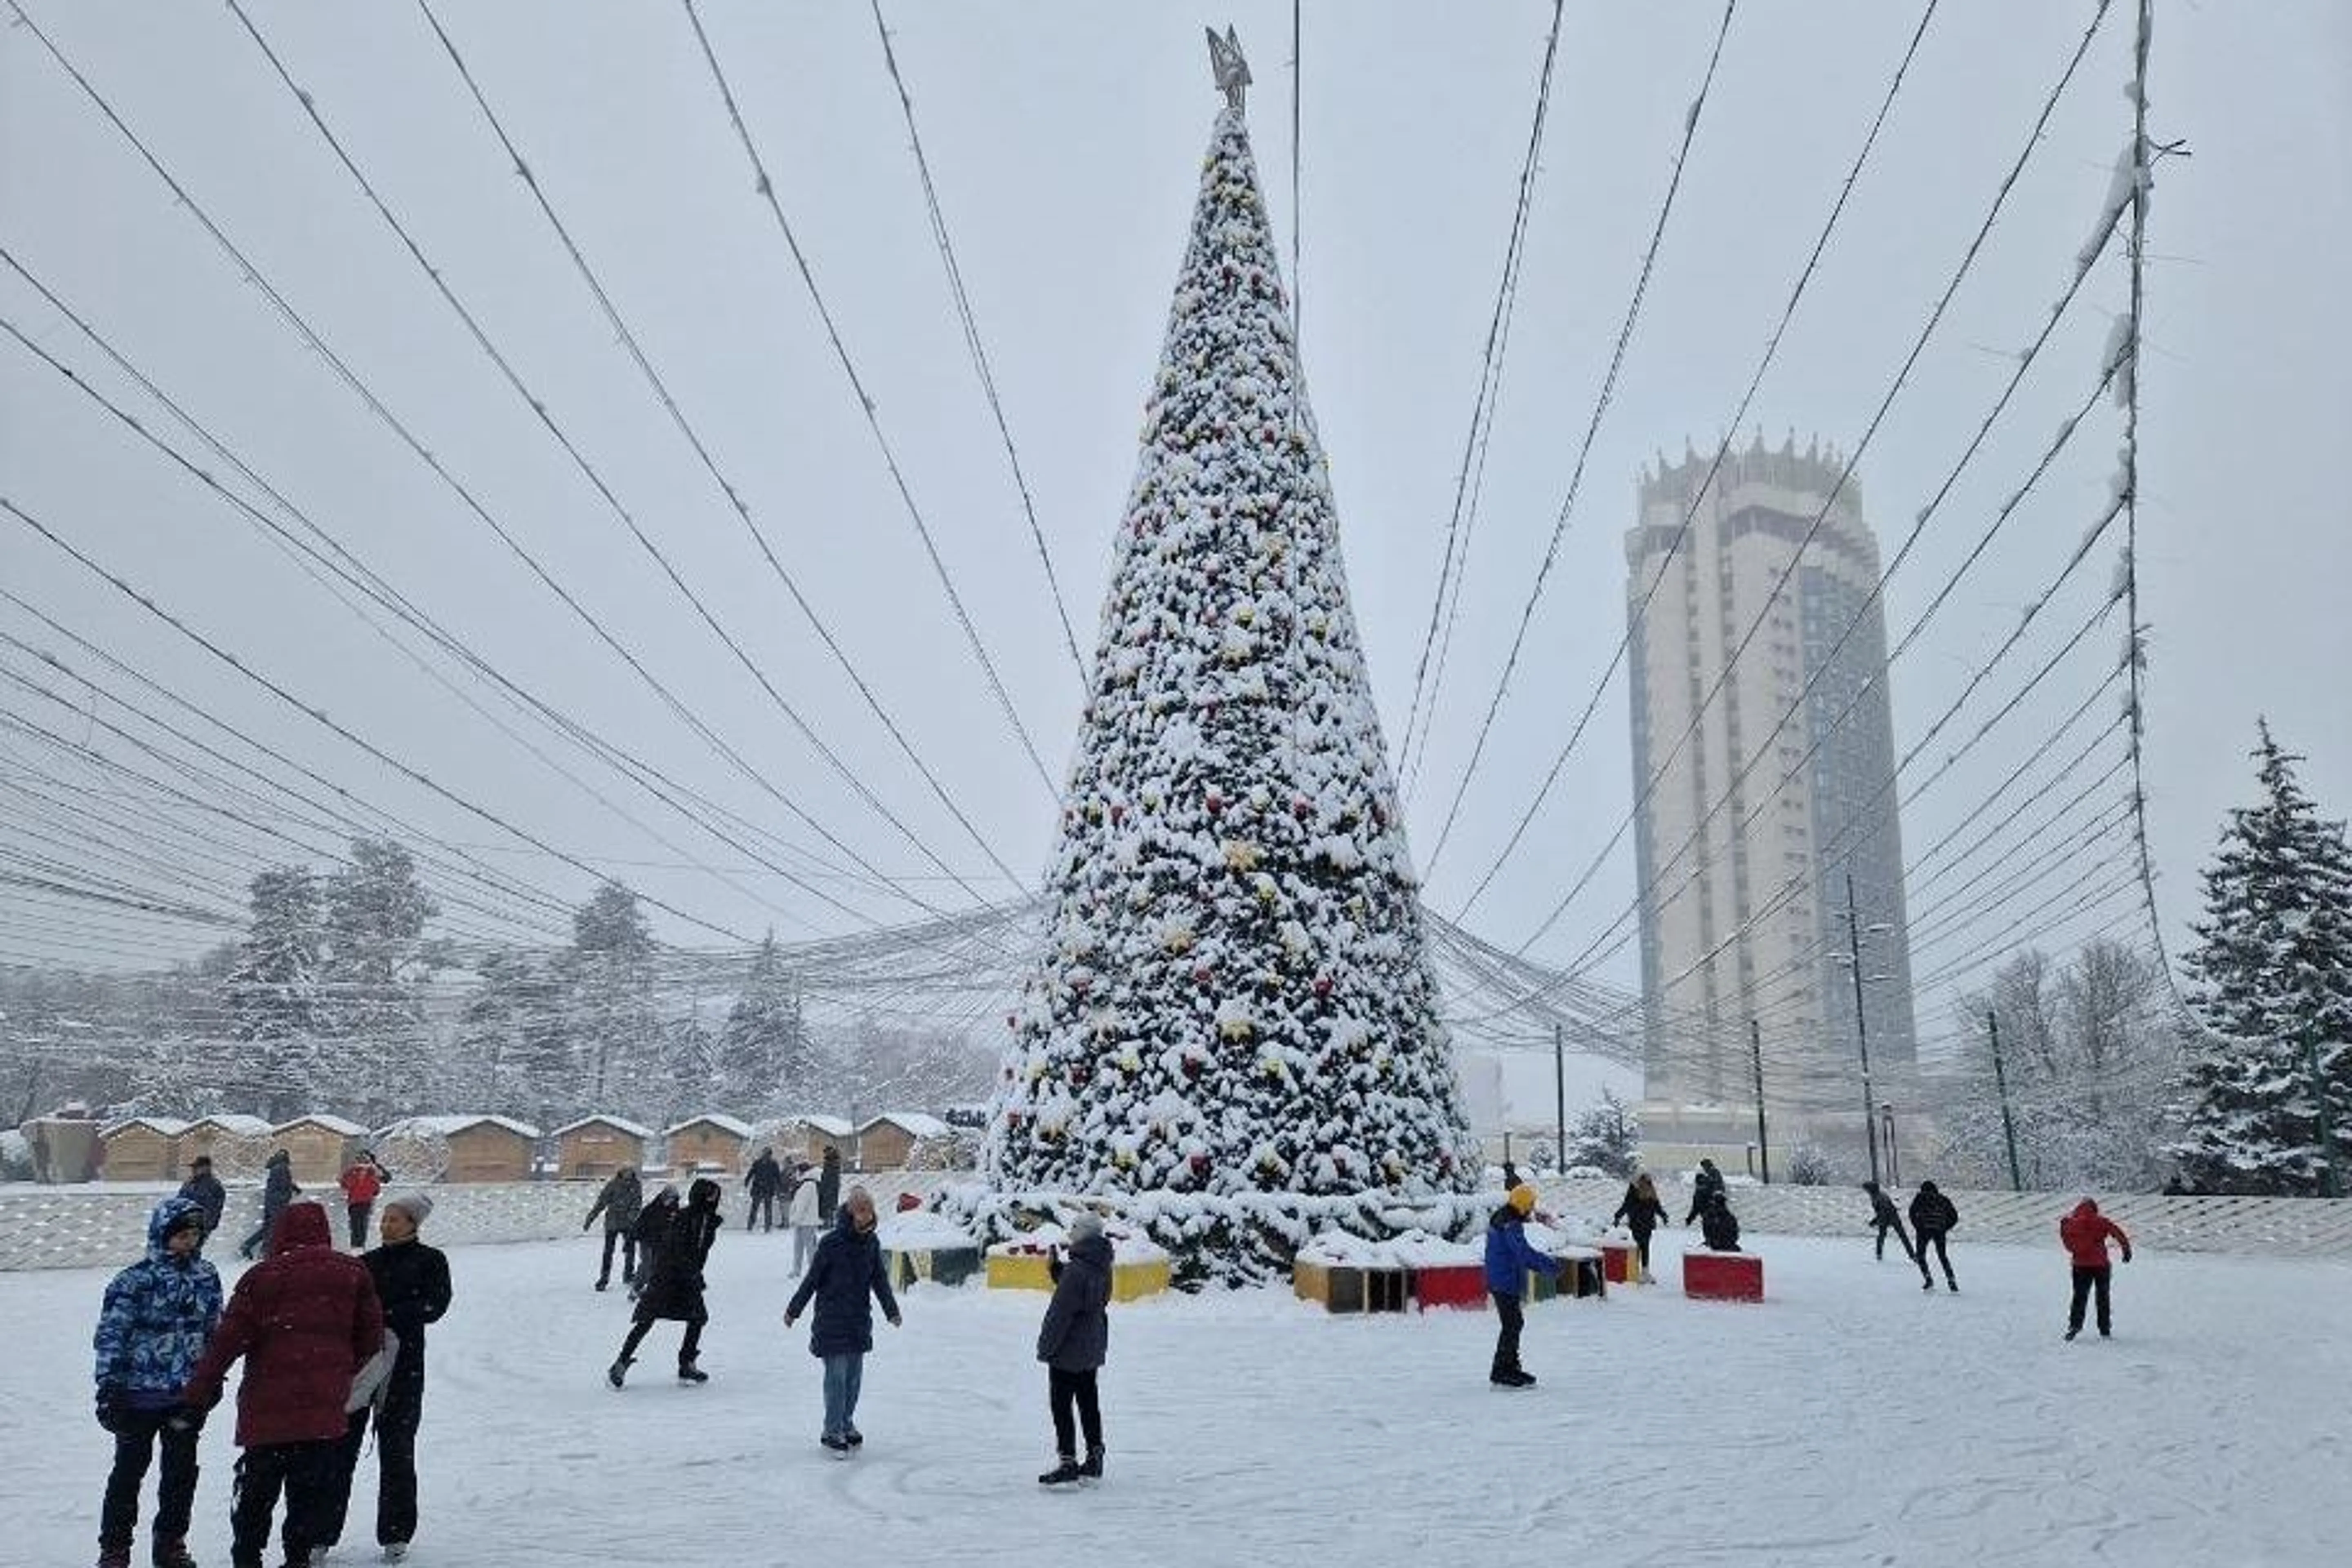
1065 141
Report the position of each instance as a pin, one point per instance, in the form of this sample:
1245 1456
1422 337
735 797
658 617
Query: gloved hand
2126 1255
186 1418
109 1406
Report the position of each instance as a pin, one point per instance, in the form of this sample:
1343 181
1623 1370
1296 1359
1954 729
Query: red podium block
1451 1285
1620 1262
1723 1276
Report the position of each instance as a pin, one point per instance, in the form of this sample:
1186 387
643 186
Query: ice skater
204 1190
1932 1219
800 1211
412 1281
1640 1214
363 1183
1074 1341
151 1329
278 1190
2086 1233
651 1230
847 1270
620 1201
674 1285
1884 1217
1508 1258
764 1182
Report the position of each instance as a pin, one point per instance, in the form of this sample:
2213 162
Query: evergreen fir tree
765 1054
273 991
376 961
689 1082
491 1058
1234 995
608 972
1604 1137
2273 971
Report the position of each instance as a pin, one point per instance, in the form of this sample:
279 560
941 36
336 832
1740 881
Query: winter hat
1086 1227
189 1218
416 1205
1523 1198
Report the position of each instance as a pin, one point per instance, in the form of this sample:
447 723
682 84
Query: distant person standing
412 1281
764 1181
1710 1181
847 1270
674 1284
278 1190
2087 1234
1640 1214
1719 1227
1074 1341
1884 1217
362 1182
828 1185
204 1190
157 1316
620 1201
304 1320
1508 1259
1933 1218
802 1212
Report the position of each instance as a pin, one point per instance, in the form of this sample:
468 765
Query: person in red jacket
305 1320
2086 1233
362 1184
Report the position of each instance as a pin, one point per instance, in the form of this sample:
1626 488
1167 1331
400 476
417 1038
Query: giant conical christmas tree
1233 994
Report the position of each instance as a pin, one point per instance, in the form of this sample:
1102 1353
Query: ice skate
1063 1474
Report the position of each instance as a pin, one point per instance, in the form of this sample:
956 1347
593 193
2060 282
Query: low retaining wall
94 1226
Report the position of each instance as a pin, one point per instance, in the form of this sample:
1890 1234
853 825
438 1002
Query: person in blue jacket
157 1316
847 1268
1508 1258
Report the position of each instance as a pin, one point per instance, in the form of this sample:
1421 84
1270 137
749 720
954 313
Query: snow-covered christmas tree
1234 996
2275 970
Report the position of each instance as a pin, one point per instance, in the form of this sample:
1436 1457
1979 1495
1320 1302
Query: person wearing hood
1709 1179
1884 1217
1640 1214
278 1190
1074 1341
800 1213
304 1320
764 1182
412 1281
1508 1258
828 1186
651 1229
848 1270
1932 1219
204 1190
1717 1226
151 1329
363 1183
673 1283
2086 1233
620 1201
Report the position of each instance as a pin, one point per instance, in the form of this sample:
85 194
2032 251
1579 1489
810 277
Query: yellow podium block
1027 1271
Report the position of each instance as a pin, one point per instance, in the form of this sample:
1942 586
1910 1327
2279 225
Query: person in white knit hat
413 1281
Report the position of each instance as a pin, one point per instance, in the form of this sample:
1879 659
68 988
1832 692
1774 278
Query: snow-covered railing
99 1225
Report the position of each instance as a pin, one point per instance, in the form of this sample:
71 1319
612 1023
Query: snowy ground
1853 1419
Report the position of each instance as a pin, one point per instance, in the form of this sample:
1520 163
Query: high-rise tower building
1745 859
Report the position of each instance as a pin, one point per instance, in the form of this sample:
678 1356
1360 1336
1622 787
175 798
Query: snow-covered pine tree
608 976
1234 995
2273 972
273 991
1604 1137
375 963
764 1054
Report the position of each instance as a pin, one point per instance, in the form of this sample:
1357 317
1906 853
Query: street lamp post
1861 1028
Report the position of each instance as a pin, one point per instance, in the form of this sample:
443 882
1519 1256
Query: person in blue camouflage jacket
158 1315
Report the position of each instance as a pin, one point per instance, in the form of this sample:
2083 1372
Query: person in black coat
652 1228
412 1281
673 1284
1932 1219
1708 1182
621 1200
847 1270
278 1190
204 1190
1640 1214
828 1186
1074 1341
1884 1217
765 1183
1717 1226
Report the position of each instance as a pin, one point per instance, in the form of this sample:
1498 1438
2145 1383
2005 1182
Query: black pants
763 1205
395 1456
136 1434
2086 1282
1506 1340
628 1257
688 1348
1068 1389
306 1473
1934 1238
360 1213
1896 1226
259 1240
1641 1246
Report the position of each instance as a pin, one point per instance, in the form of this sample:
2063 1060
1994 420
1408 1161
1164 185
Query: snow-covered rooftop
344 1125
913 1121
618 1123
234 1121
724 1123
447 1125
169 1126
832 1126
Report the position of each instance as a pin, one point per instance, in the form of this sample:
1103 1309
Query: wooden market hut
320 1146
481 1148
710 1139
206 1133
142 1149
808 1137
886 1140
594 1147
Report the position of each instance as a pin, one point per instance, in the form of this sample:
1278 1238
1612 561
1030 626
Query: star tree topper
1232 70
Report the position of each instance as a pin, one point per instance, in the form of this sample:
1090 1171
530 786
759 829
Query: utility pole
1559 1095
2331 1181
2000 1083
1861 1028
1756 1057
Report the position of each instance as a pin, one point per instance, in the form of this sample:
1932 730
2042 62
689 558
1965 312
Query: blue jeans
842 1375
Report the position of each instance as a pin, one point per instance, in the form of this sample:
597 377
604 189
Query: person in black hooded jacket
1932 1219
673 1284
1074 1341
649 1230
412 1281
1884 1217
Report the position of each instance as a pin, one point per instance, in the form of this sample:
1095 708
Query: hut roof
447 1125
337 1124
168 1126
234 1121
618 1124
832 1126
724 1123
915 1123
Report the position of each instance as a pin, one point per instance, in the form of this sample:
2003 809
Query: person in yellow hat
1508 1258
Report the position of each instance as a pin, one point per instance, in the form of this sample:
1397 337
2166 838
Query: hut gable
595 1146
142 1149
885 1141
320 1146
708 1140
481 1148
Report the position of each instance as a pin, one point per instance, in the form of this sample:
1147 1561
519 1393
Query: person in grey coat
278 1190
620 1201
1074 1341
